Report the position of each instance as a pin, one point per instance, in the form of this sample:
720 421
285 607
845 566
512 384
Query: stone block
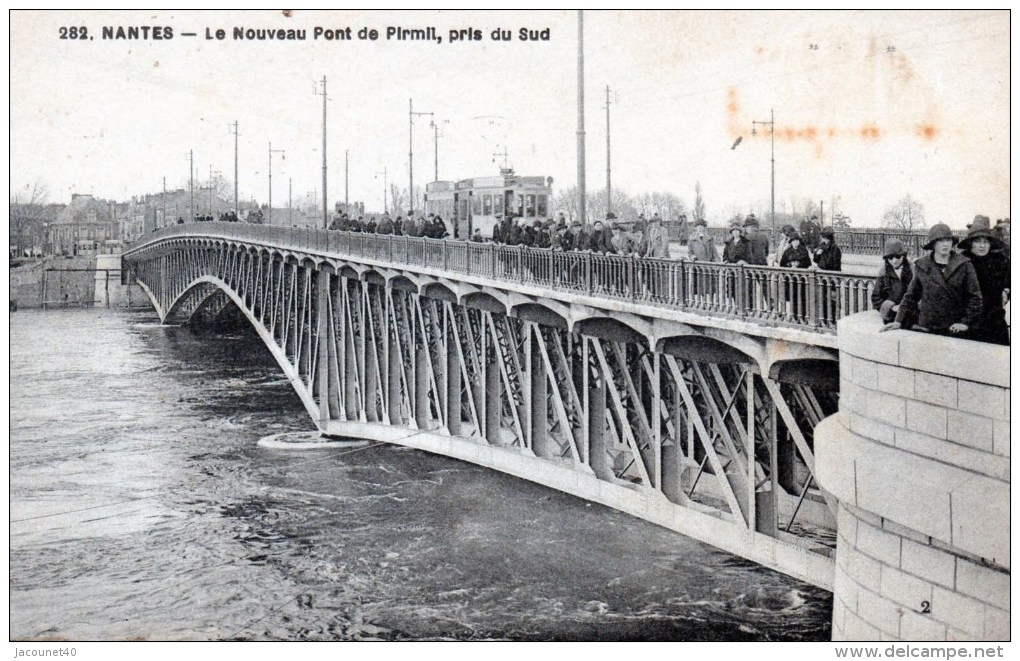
858 630
935 389
902 488
1000 437
871 344
926 419
983 363
866 572
954 454
917 627
846 524
879 544
981 519
907 533
928 563
865 373
846 366
983 583
868 428
886 408
956 635
896 380
996 624
838 616
844 586
904 589
879 611
852 397
959 611
981 398
968 429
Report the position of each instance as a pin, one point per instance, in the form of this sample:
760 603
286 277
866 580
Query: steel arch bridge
699 423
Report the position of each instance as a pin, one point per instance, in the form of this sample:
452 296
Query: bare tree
907 214
28 216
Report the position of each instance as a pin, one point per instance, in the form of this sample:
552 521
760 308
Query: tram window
542 206
477 204
497 205
520 206
487 205
531 206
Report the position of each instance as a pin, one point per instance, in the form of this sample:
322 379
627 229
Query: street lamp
384 191
410 153
284 157
772 132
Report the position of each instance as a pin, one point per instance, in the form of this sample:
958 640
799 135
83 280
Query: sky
869 106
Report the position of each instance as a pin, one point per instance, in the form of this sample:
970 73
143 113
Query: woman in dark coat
737 249
944 292
795 256
984 249
893 279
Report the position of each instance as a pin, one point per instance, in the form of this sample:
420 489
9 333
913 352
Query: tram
480 202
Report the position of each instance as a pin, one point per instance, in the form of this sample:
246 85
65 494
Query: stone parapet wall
918 456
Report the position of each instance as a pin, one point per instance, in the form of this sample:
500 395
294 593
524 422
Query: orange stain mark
819 150
870 132
832 132
927 132
731 103
760 50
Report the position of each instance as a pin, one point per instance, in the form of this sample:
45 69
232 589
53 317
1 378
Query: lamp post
211 187
410 153
384 191
271 151
771 123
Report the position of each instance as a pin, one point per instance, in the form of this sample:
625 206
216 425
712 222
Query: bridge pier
918 457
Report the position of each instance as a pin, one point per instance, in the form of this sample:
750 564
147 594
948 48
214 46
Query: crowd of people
945 292
432 227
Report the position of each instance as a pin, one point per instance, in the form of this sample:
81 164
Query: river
142 507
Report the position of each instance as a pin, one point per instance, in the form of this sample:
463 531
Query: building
82 227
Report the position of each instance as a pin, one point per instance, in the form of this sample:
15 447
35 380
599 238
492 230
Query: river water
143 508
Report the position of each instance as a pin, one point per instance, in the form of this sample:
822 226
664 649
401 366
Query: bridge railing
808 299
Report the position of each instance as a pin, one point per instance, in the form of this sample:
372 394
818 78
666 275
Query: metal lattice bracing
710 447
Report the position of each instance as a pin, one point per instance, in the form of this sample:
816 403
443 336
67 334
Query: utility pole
609 180
237 209
271 151
821 213
772 132
164 203
191 185
325 209
347 189
581 190
410 153
290 200
384 190
506 158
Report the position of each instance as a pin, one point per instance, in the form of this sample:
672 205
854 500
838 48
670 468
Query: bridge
684 393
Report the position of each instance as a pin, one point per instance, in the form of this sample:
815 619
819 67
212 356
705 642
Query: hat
641 224
789 229
978 220
656 219
980 228
735 225
893 247
827 231
751 221
937 232
795 236
575 223
700 222
610 216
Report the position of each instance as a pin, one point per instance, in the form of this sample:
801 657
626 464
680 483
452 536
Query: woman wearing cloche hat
984 250
944 293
